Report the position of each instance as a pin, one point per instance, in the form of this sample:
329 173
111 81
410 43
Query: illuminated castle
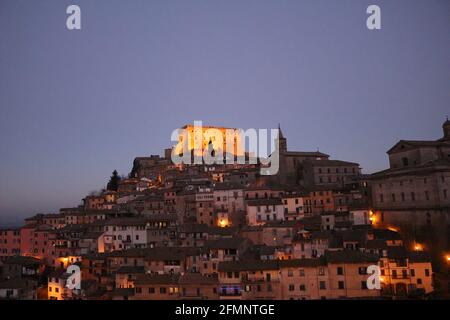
201 138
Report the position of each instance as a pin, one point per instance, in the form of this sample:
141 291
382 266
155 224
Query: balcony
230 294
400 276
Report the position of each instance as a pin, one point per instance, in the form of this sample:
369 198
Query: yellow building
57 285
405 273
201 137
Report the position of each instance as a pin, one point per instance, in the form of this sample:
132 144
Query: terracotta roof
23 260
197 278
350 256
264 202
331 163
17 284
149 279
193 228
248 265
386 234
375 244
299 263
262 265
228 243
131 269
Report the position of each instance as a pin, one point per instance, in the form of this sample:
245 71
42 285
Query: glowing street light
223 223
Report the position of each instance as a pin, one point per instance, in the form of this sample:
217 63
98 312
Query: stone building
414 193
332 173
312 168
290 161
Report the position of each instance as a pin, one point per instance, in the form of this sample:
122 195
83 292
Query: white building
262 210
228 198
120 234
360 216
293 206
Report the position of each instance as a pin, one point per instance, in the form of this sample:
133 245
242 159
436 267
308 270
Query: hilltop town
169 231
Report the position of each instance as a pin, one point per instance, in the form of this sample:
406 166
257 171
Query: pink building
9 242
37 241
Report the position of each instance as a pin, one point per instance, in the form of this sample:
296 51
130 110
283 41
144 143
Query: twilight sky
75 105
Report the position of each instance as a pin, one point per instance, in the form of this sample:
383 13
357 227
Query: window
362 270
322 285
321 271
405 161
419 281
162 290
341 285
138 290
151 290
404 274
413 196
302 287
301 271
413 273
291 287
290 273
363 285
427 272
427 195
340 271
393 197
381 197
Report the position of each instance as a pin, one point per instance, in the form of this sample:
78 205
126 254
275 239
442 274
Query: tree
113 183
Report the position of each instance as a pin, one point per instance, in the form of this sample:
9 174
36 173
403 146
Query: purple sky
76 105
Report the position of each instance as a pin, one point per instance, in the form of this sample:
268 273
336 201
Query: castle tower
446 129
282 142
